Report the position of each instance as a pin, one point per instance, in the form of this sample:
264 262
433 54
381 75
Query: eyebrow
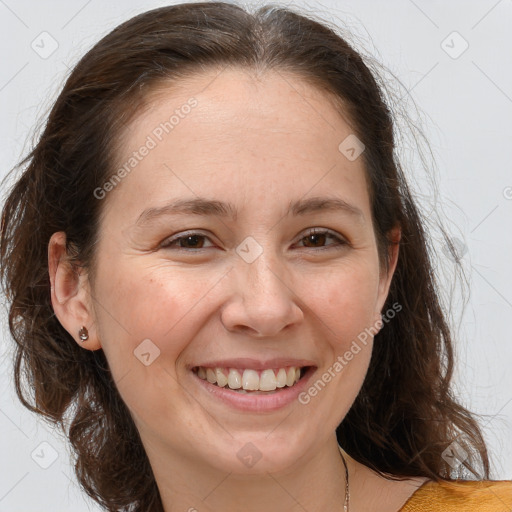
210 207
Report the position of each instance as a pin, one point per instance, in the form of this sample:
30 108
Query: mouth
254 382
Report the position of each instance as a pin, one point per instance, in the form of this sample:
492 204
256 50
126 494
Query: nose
262 302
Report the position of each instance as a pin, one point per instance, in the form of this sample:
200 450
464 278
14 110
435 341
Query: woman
221 287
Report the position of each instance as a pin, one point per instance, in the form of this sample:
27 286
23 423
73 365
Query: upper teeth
249 379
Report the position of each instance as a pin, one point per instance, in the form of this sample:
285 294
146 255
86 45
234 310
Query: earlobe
70 298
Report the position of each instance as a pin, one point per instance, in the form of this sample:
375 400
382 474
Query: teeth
234 379
222 380
250 380
281 378
210 376
268 380
290 376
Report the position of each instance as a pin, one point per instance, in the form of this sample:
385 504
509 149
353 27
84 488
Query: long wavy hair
405 415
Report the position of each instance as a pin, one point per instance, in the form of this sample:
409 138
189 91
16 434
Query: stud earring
83 334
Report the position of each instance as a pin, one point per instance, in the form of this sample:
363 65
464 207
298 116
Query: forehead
273 99
231 132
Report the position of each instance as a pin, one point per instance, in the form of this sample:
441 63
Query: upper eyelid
309 231
172 239
325 231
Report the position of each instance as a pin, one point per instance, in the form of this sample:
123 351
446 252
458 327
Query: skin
258 142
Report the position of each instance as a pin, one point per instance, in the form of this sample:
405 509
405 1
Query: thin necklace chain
347 492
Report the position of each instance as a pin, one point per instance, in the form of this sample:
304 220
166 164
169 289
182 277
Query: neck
315 483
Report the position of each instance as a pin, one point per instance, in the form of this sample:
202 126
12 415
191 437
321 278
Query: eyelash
168 243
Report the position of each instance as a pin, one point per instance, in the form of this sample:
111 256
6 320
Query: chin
258 456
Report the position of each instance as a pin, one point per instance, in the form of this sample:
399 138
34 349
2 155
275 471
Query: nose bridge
265 277
262 299
258 264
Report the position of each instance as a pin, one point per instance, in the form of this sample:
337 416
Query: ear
70 293
386 277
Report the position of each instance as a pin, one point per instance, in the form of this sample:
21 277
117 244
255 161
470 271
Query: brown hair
404 416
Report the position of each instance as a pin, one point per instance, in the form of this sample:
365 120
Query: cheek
146 320
145 298
344 311
345 303
136 305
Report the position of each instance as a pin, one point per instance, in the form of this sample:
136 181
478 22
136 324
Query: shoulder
461 496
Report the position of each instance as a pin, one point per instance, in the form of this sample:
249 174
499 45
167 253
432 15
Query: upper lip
255 364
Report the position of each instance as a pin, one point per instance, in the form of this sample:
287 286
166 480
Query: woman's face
231 276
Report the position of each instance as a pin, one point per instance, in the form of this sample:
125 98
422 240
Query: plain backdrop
453 58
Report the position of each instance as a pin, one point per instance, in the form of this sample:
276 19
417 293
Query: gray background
465 107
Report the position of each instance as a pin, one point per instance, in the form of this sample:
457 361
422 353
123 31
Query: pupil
311 238
193 239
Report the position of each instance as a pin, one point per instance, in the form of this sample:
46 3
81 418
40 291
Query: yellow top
461 496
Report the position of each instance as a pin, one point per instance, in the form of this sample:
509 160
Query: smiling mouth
258 382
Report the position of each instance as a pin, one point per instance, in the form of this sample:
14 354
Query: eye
185 241
316 238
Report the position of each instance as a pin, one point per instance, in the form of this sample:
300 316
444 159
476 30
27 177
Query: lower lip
257 403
